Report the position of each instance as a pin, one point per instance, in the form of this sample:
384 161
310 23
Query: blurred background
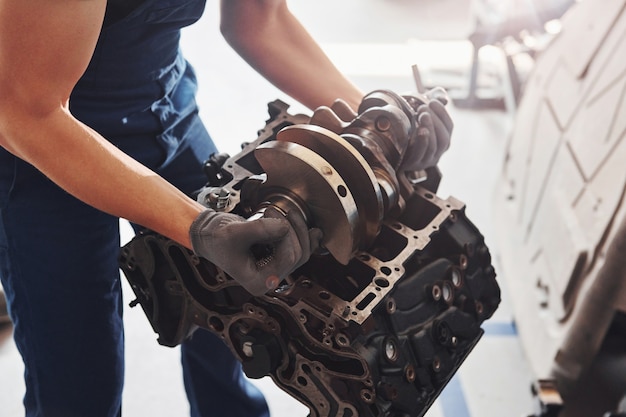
481 51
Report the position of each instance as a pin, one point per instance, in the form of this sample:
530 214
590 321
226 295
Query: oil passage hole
366 301
381 282
216 324
324 295
385 270
342 191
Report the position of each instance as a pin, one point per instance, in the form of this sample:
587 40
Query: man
98 121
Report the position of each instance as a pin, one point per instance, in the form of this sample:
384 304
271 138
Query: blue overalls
58 256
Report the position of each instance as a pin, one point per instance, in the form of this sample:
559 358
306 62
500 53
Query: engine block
381 317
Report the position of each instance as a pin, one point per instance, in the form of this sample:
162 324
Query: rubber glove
433 134
259 253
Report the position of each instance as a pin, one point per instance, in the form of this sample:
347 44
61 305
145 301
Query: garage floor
374 42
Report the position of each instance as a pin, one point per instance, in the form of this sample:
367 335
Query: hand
433 134
258 254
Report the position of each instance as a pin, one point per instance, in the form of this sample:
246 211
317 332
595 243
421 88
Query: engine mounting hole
342 191
409 373
324 295
436 364
342 340
302 381
367 396
479 308
347 412
216 324
463 262
436 292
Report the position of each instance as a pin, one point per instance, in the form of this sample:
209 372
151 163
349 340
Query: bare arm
45 46
273 41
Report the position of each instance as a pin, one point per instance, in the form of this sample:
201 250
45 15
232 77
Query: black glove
258 254
433 135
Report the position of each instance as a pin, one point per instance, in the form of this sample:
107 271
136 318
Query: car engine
383 314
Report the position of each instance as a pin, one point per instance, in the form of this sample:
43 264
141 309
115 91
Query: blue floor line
452 399
499 328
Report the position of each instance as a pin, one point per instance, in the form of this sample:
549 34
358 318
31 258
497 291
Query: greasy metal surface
373 329
358 175
294 168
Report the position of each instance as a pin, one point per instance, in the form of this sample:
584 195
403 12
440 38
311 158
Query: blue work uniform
58 256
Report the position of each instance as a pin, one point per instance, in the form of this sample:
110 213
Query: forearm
274 42
90 168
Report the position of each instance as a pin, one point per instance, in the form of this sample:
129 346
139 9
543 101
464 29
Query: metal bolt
391 351
456 277
447 292
217 198
247 349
